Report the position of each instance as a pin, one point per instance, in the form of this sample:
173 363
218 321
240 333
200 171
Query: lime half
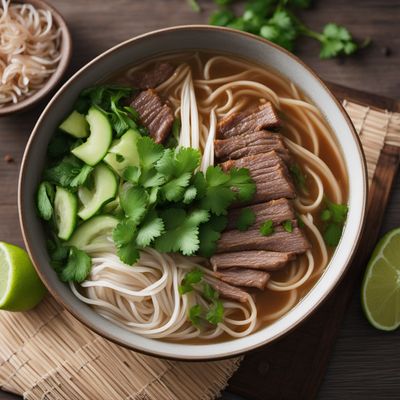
20 287
380 293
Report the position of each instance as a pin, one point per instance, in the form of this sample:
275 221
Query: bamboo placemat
47 354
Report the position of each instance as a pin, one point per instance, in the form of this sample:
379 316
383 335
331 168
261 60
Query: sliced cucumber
65 210
123 152
105 187
99 226
97 144
76 125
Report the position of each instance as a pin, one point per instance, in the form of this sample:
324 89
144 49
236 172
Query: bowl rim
228 354
55 78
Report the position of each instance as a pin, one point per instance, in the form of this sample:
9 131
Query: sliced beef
153 76
252 239
249 121
250 144
227 291
255 162
255 259
277 210
156 116
269 173
244 277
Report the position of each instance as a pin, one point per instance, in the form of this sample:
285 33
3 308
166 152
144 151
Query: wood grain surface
365 363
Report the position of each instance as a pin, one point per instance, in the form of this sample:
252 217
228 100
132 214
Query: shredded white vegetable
29 50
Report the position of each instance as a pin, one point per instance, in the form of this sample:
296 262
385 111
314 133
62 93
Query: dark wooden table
365 362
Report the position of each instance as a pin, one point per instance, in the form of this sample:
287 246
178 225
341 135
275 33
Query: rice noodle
29 50
144 298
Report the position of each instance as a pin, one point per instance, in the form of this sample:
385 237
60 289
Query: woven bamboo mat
47 354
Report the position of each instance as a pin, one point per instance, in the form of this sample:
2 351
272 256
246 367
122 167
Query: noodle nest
29 50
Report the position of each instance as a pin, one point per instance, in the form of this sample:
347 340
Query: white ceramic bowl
176 39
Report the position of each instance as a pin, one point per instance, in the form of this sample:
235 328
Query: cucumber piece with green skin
75 125
105 187
123 152
89 231
96 146
65 212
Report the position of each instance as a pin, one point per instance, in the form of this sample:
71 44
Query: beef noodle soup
222 251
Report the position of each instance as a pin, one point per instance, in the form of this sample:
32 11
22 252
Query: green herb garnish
78 266
195 313
187 209
245 219
276 20
267 228
334 217
215 314
45 199
108 99
191 278
288 226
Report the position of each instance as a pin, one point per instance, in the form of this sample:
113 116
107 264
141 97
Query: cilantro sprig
108 99
276 20
171 206
198 315
333 216
71 264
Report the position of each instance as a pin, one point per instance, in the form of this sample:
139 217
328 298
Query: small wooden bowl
66 51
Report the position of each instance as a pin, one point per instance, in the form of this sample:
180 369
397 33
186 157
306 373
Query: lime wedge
20 287
380 293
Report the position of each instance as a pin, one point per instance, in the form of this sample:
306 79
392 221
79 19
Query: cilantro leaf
215 314
209 233
209 293
280 29
82 177
45 199
245 219
288 226
208 240
187 160
149 151
215 176
151 227
332 234
334 216
199 182
132 174
336 40
128 253
267 228
63 173
242 183
151 178
191 278
194 314
166 164
134 202
124 232
189 195
78 266
174 189
182 232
